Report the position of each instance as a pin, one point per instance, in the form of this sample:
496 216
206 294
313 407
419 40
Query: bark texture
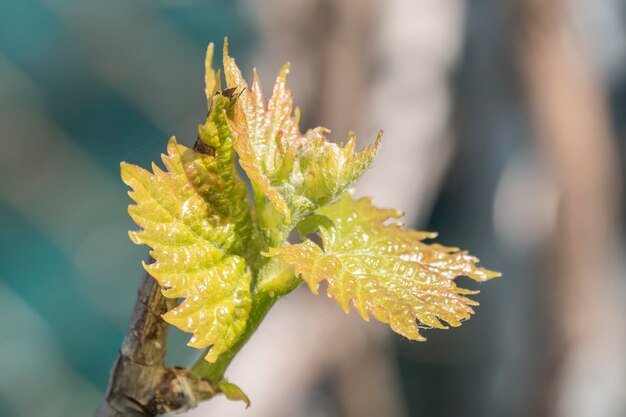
140 384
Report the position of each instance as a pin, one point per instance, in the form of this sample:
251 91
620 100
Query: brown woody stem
140 385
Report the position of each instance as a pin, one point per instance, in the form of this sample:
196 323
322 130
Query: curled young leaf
296 172
215 178
369 260
212 82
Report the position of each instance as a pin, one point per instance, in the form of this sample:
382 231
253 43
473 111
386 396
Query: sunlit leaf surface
195 216
206 237
369 260
296 172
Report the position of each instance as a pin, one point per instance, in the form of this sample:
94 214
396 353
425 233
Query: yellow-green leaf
195 217
212 83
296 172
233 392
371 261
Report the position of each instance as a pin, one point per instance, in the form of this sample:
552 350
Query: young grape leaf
297 173
368 259
233 392
212 79
195 216
216 179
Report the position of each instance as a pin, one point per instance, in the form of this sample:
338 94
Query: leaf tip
233 392
135 239
492 274
125 172
379 140
313 286
209 73
345 304
172 142
284 71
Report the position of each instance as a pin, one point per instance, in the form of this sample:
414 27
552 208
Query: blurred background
505 131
